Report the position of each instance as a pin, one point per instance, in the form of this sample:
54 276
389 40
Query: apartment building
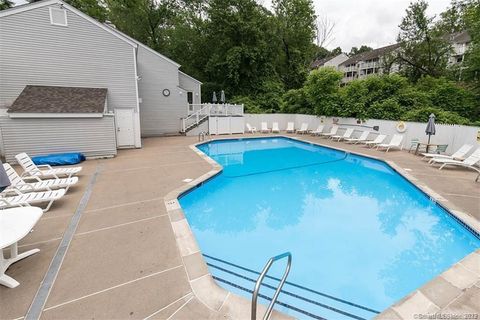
365 64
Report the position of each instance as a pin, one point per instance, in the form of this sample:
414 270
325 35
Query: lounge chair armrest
45 166
13 190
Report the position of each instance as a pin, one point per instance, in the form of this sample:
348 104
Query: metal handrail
279 288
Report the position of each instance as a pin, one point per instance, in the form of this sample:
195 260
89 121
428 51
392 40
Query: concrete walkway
124 260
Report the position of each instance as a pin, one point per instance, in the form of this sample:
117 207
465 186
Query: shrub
441 116
295 101
321 88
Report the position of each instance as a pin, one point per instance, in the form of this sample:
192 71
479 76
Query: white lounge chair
303 128
457 155
290 127
346 135
379 139
37 184
275 127
396 142
31 169
264 127
319 130
26 199
15 224
469 162
333 131
363 137
251 129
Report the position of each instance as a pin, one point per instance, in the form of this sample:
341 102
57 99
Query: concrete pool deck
125 259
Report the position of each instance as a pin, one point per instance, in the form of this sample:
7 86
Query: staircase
195 119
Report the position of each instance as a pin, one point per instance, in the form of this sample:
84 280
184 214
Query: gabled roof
47 99
320 62
40 4
188 76
376 53
460 37
113 29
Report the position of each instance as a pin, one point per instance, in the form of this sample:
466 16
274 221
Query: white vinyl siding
35 52
191 85
159 115
94 137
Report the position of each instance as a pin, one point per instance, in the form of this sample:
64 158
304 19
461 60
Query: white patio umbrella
214 98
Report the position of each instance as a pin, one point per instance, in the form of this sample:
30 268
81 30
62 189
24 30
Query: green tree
94 8
296 101
322 90
145 20
295 21
239 50
452 19
5 4
471 72
362 49
424 49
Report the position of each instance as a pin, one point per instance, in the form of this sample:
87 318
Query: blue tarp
59 159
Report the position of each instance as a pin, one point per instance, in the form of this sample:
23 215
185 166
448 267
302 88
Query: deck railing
198 112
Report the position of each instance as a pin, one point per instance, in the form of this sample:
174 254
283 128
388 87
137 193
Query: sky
357 22
370 22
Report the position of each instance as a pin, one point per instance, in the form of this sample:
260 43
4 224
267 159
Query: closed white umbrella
222 96
214 98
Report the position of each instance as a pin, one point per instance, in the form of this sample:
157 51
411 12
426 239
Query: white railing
217 109
198 112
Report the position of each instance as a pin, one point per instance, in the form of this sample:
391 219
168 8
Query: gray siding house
52 44
165 93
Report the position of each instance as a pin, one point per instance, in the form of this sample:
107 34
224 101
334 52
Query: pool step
294 297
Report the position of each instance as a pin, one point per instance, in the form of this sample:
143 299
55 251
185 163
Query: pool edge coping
216 298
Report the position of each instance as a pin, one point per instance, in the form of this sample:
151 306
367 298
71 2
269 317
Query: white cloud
371 22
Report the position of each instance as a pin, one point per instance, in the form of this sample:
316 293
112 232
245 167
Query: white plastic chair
363 137
38 184
346 135
251 129
457 155
275 127
290 127
379 139
31 169
332 132
319 130
264 127
19 199
396 143
303 128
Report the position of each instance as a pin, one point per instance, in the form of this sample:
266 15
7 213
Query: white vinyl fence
453 135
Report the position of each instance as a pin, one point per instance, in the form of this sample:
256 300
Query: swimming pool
357 230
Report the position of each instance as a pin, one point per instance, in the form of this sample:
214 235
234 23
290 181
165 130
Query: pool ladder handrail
202 136
279 288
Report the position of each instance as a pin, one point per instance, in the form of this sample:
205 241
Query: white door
124 122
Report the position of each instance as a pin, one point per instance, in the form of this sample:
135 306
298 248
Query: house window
58 17
190 97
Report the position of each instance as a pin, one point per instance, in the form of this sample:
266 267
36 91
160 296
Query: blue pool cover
59 159
362 236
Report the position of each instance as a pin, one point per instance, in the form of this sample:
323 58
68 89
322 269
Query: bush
249 105
449 96
441 116
295 101
321 89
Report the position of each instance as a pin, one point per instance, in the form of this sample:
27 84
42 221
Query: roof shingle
47 99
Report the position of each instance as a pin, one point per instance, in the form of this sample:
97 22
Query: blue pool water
356 229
